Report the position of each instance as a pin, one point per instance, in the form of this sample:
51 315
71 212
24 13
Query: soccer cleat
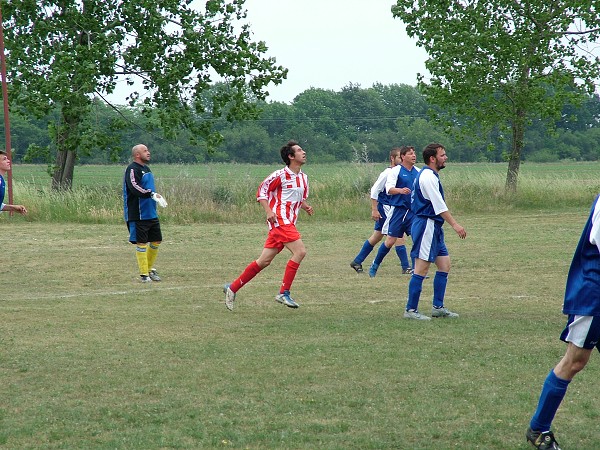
373 270
229 297
154 275
407 271
413 314
286 300
542 440
356 266
443 312
145 279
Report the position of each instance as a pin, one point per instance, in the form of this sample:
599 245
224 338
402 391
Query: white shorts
582 331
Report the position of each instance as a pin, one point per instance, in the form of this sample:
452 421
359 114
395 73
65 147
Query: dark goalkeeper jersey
138 186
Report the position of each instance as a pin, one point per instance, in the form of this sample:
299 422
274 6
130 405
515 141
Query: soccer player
379 198
282 194
430 212
139 200
582 332
4 168
398 186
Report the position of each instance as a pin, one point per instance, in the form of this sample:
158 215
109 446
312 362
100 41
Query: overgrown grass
89 358
216 193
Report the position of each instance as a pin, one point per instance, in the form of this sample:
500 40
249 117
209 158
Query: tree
503 63
63 53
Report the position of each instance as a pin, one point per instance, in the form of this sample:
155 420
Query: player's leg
255 267
582 334
422 234
298 251
367 247
155 239
269 251
138 235
402 254
389 228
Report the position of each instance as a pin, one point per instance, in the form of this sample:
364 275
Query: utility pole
6 118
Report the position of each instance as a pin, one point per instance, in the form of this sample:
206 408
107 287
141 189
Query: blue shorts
428 239
398 221
379 224
582 331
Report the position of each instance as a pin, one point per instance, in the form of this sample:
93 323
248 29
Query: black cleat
542 440
356 266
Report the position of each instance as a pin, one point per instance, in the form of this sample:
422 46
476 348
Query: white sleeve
392 178
430 188
595 232
379 184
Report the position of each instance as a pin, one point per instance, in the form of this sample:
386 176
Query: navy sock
364 252
415 286
401 252
383 250
439 288
553 392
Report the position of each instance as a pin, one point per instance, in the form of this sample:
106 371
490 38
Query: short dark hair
431 150
2 152
286 151
405 149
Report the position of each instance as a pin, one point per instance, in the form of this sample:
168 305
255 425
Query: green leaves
496 63
62 53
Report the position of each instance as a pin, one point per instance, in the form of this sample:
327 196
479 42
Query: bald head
140 154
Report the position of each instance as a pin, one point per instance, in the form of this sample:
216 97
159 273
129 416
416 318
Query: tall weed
225 193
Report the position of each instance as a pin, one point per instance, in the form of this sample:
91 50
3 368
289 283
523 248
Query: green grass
89 358
217 193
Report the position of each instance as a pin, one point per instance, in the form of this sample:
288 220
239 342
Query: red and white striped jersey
285 191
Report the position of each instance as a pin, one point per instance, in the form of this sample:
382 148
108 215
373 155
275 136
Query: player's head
407 154
435 154
140 153
288 150
406 149
4 162
395 156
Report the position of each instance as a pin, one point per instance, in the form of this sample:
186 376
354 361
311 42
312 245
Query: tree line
352 124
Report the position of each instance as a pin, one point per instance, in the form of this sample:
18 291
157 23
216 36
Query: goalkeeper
140 199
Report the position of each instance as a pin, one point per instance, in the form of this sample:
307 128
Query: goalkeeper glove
159 199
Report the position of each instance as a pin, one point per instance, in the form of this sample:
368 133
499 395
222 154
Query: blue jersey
138 186
582 294
2 191
427 198
401 177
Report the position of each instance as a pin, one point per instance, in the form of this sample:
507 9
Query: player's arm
379 185
392 180
462 233
430 187
269 184
133 180
309 209
374 211
271 216
16 208
595 231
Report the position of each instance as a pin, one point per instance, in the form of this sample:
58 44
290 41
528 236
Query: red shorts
278 236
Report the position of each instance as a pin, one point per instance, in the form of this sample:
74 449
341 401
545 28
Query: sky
331 43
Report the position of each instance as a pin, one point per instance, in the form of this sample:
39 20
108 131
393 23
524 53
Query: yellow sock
142 258
152 253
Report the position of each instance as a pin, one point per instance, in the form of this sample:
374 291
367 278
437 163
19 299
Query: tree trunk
514 160
66 156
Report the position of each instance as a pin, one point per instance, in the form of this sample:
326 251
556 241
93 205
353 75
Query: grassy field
89 358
